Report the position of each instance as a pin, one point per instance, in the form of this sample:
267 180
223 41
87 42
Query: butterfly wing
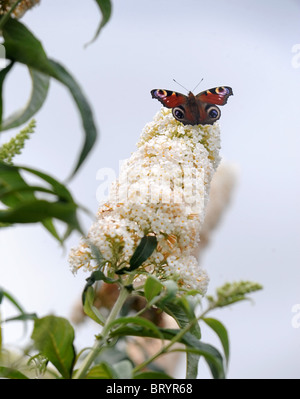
168 98
217 95
209 99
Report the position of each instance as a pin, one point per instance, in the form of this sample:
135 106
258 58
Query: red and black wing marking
217 95
168 98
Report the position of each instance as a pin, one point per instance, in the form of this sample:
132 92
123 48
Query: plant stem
82 370
166 347
88 360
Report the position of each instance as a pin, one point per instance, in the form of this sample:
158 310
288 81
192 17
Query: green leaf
39 210
183 314
11 299
96 275
21 317
22 46
152 375
123 369
23 207
58 188
211 355
182 310
53 337
90 130
221 331
192 362
146 325
13 186
171 289
89 308
11 373
101 371
105 8
39 91
88 294
152 288
145 249
3 74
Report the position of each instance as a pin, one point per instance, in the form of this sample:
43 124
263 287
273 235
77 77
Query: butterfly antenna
180 85
197 85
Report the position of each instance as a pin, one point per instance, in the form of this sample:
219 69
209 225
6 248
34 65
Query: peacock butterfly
194 110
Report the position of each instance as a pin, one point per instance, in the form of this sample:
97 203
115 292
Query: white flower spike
163 189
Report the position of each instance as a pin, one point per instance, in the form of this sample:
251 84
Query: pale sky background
243 44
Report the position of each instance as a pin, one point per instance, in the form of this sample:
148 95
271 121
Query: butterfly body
194 110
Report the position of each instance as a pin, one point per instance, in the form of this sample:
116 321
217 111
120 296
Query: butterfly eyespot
214 113
178 113
220 90
161 93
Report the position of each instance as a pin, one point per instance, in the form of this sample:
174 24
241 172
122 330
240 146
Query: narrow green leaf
61 74
11 299
22 46
145 248
11 373
105 8
146 325
96 275
58 188
182 310
21 189
89 308
39 210
21 317
49 225
53 337
39 91
211 355
14 189
3 74
221 331
13 186
212 358
192 362
23 207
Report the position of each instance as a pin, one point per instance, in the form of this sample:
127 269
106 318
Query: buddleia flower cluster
15 145
21 8
162 190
